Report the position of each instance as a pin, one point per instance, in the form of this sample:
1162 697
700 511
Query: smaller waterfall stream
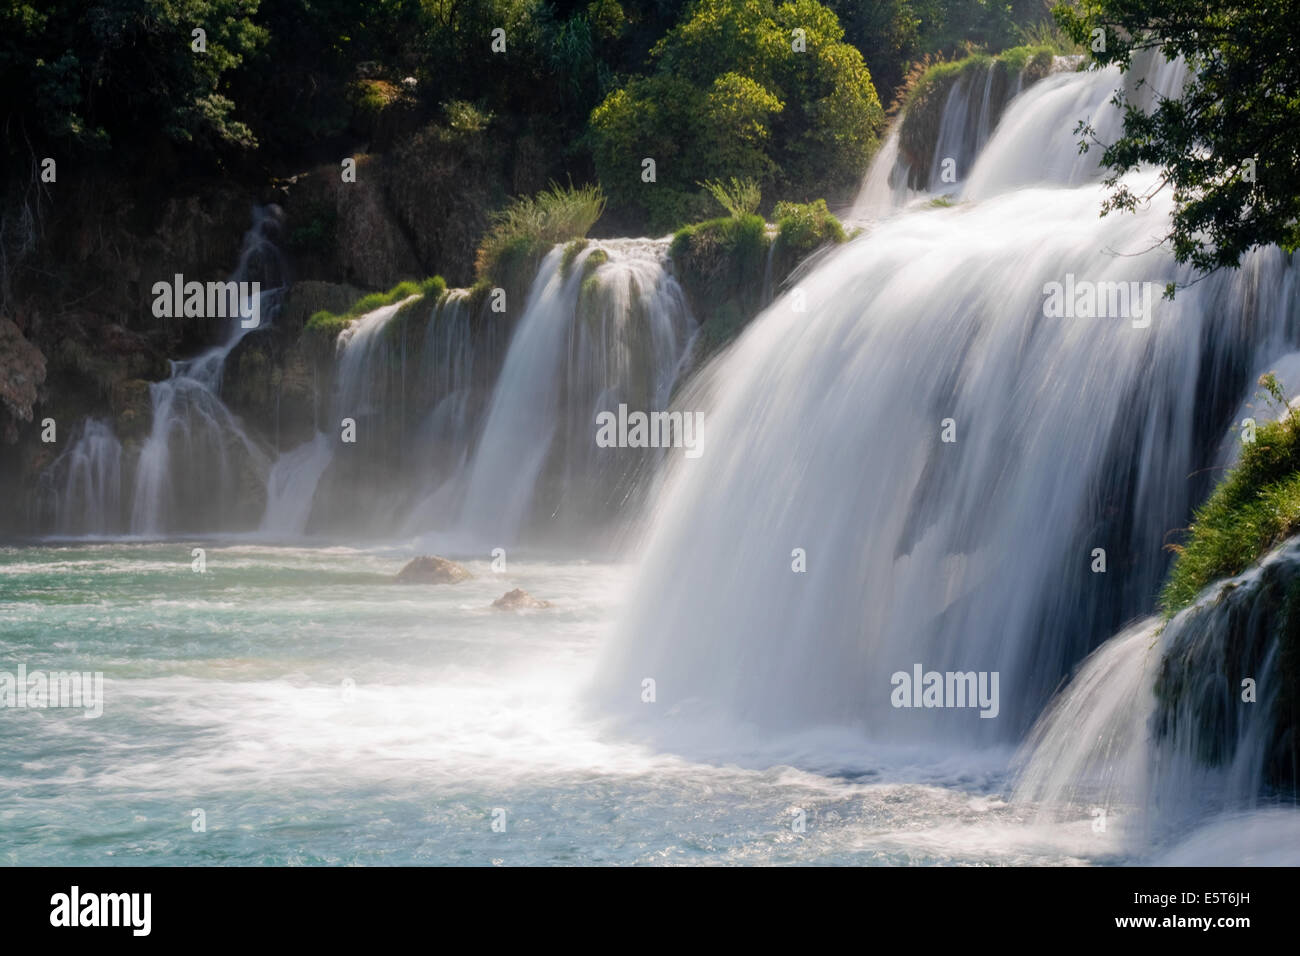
199 469
464 442
1155 730
83 487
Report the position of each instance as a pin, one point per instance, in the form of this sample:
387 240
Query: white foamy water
228 695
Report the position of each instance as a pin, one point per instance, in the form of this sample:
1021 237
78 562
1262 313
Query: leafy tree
744 89
122 73
887 32
1229 145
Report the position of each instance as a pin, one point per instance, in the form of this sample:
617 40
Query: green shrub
728 98
802 227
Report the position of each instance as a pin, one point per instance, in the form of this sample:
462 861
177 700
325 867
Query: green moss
570 253
1034 60
801 228
720 263
324 326
594 261
1255 507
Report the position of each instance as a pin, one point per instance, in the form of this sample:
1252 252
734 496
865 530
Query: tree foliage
1229 145
123 73
745 89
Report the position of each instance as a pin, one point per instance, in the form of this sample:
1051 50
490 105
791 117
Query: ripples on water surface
226 691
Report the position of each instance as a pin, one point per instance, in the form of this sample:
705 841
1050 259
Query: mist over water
320 712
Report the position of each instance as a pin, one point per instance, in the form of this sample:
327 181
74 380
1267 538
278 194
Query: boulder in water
518 599
428 569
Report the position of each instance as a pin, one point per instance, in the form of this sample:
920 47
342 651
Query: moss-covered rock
801 229
1255 507
571 251
323 327
927 95
1229 674
1228 622
721 265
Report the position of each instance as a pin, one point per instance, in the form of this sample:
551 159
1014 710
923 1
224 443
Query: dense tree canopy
741 88
1229 146
122 73
709 88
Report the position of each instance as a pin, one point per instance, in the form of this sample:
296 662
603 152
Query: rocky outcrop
344 229
1228 686
22 370
428 569
518 600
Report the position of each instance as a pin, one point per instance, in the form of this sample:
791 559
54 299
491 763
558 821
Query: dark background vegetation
288 84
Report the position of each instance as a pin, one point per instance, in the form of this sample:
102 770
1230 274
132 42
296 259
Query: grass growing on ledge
530 225
739 197
326 326
1256 507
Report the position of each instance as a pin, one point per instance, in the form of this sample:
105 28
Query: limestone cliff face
22 370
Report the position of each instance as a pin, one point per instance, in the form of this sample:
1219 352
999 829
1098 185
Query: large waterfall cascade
918 472
913 471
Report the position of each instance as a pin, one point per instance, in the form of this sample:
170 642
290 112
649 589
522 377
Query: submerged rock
517 600
428 569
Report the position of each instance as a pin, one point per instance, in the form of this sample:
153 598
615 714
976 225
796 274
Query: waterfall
464 442
409 375
944 454
291 486
885 188
1036 143
83 487
199 469
584 345
1153 729
973 108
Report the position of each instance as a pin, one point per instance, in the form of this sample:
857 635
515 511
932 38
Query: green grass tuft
739 197
530 225
1255 507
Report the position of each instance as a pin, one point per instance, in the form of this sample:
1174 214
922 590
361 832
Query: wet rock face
1228 687
22 370
428 569
518 599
